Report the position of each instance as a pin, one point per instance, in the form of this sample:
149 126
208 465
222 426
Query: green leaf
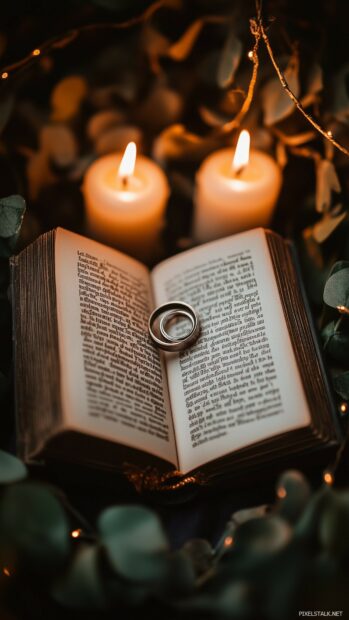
12 211
135 542
341 385
336 291
11 468
277 105
230 600
200 553
262 536
81 586
294 491
229 61
179 576
340 264
336 342
326 182
33 528
307 527
334 530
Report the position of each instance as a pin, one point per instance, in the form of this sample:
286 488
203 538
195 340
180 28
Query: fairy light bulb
328 478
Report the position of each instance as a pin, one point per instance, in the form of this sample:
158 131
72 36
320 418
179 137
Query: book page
239 383
112 377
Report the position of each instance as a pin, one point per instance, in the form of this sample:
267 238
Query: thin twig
262 34
233 124
62 40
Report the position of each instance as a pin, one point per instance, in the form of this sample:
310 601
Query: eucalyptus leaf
33 528
82 585
314 85
341 385
12 210
294 491
231 600
326 182
307 527
336 291
11 468
135 542
262 536
336 342
338 265
334 530
230 59
277 105
179 576
200 553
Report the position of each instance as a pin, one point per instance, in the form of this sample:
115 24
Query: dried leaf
340 102
117 138
67 97
314 85
230 60
101 121
327 225
281 154
211 117
182 48
326 182
176 142
277 105
161 108
58 142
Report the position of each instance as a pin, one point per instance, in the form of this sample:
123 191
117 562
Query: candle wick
237 172
124 182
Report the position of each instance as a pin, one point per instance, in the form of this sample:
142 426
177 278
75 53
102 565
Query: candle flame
128 162
242 152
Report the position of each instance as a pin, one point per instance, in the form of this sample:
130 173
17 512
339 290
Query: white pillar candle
235 191
125 201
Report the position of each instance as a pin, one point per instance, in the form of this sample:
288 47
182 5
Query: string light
76 533
6 571
250 55
328 478
4 75
343 408
343 309
228 541
36 52
281 492
330 134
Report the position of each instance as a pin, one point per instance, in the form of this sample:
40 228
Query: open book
91 386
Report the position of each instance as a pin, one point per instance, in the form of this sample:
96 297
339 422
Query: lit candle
235 191
125 197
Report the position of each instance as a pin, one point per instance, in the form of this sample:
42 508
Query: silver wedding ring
158 329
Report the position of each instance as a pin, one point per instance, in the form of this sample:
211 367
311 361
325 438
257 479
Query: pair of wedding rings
163 316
